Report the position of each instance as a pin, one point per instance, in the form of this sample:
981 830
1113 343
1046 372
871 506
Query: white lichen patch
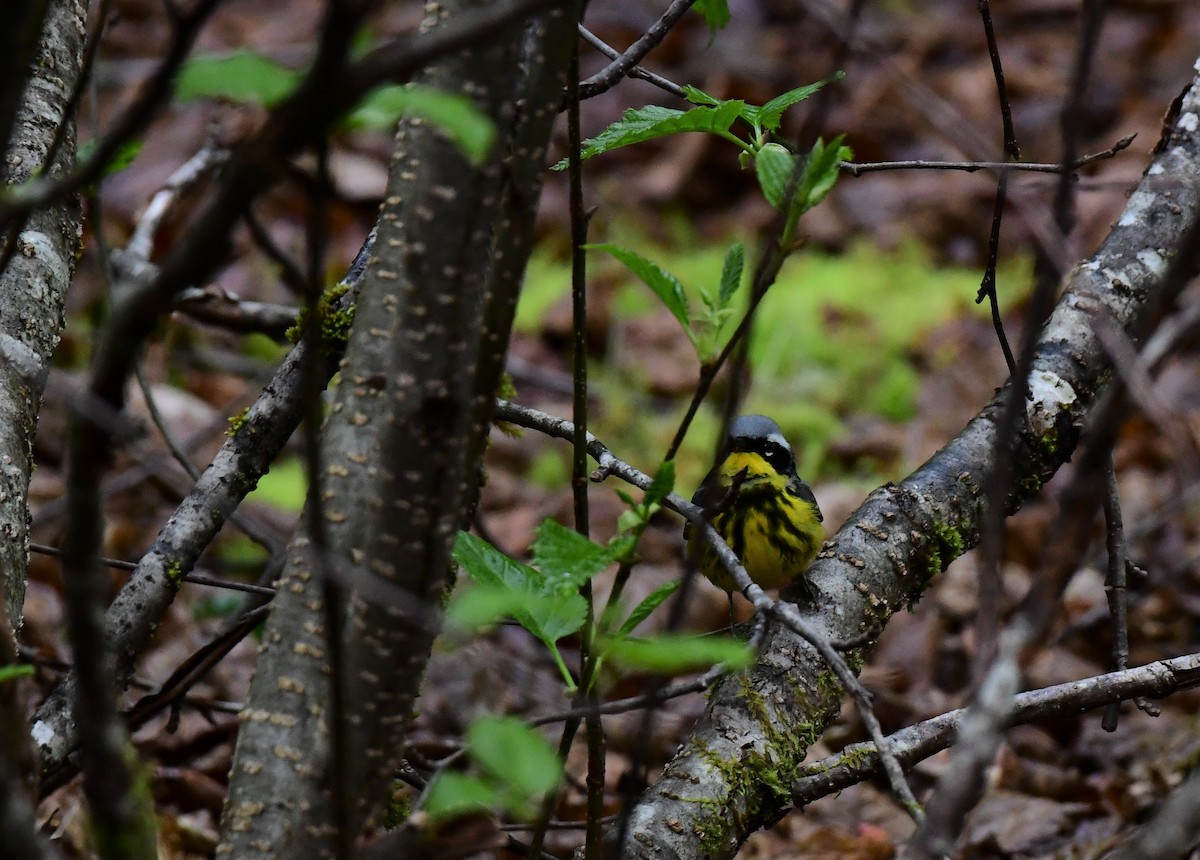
1139 202
1152 260
1049 395
1189 122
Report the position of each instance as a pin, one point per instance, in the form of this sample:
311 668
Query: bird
758 504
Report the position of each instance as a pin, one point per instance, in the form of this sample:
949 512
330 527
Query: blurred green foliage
834 338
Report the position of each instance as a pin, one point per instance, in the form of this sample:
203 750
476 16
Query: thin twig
607 77
858 762
859 168
637 71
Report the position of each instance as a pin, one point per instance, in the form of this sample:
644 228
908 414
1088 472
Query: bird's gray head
757 427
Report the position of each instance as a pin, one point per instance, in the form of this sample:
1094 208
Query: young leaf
566 558
654 121
677 653
545 610
515 755
661 282
244 76
774 165
642 611
479 606
714 12
453 794
731 273
698 96
821 171
453 113
769 115
488 566
662 484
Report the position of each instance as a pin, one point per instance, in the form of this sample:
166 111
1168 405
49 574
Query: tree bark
33 285
400 457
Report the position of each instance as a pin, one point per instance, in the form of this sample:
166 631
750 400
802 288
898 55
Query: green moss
174 571
948 542
399 806
335 323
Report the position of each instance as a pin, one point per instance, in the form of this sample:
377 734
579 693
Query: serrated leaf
489 566
661 282
671 654
244 76
456 115
731 273
652 121
770 115
714 12
774 164
453 794
545 610
514 755
566 558
651 602
698 96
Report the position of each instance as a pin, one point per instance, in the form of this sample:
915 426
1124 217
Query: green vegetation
834 338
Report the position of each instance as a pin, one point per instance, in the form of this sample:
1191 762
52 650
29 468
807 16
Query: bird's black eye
778 456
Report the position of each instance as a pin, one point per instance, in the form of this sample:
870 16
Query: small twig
859 168
634 703
289 270
193 577
221 308
858 762
637 71
607 77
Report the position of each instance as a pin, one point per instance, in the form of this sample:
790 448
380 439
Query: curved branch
732 776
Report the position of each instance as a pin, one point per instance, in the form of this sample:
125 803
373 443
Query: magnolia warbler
757 502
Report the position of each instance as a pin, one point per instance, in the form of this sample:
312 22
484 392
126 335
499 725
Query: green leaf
698 96
244 76
479 606
821 171
769 115
654 121
662 484
121 159
544 609
671 654
566 558
10 673
515 755
651 602
731 273
456 115
714 12
453 794
661 282
774 165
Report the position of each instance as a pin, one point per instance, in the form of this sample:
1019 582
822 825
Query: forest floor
919 86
